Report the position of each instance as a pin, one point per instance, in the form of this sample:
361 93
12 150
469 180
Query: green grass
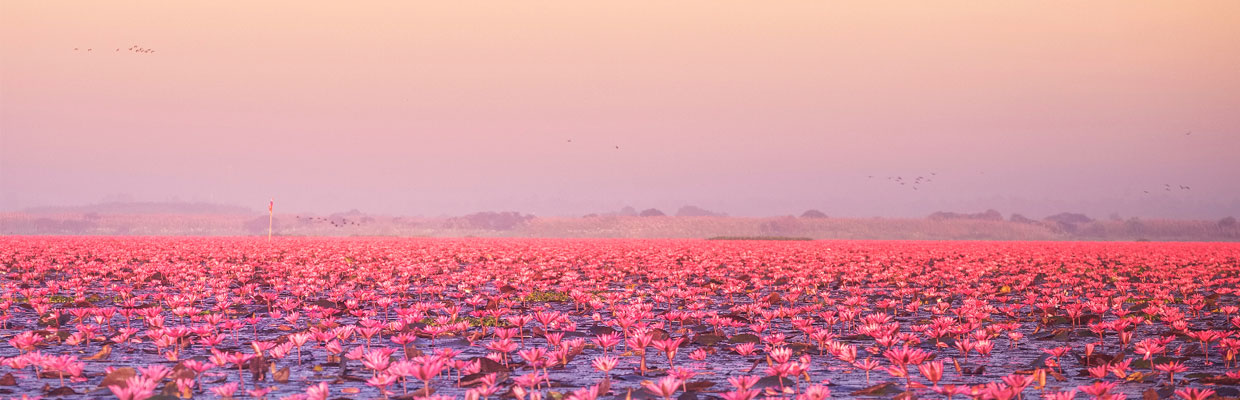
539 296
58 299
472 321
476 322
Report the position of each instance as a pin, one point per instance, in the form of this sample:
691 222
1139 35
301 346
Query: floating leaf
118 377
102 354
882 389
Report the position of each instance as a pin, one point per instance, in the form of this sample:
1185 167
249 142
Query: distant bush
695 211
1070 218
652 212
1068 222
813 214
609 225
988 215
1021 219
498 221
780 226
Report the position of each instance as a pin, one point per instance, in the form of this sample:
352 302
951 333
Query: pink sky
752 108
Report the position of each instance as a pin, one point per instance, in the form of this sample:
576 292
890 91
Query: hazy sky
751 108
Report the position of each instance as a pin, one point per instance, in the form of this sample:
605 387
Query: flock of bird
339 223
920 180
913 183
917 182
571 140
1167 188
133 49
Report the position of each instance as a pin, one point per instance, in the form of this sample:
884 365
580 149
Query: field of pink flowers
531 319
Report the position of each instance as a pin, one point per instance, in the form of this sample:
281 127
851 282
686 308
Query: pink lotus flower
226 390
381 382
587 393
136 388
1194 394
377 359
669 347
747 394
604 364
428 369
259 393
867 365
26 341
745 349
665 387
1171 368
1098 389
933 371
318 391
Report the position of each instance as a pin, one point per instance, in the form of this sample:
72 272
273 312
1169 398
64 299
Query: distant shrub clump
988 215
500 221
813 214
652 212
695 211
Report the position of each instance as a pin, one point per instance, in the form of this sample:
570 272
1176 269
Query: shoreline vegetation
935 227
772 238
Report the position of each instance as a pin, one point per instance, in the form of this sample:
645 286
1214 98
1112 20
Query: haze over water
567 107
